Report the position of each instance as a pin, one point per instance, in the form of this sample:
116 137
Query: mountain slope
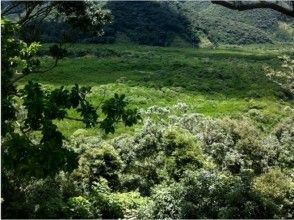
182 23
162 23
223 25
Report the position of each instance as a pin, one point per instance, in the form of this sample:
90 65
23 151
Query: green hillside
226 26
175 23
184 24
192 23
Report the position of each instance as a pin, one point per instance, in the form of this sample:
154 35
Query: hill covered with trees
176 23
191 24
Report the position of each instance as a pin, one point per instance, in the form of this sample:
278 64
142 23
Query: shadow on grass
230 73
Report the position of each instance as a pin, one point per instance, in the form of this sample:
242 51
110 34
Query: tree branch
285 7
8 9
44 71
28 11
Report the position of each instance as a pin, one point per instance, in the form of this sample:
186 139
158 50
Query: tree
74 12
32 145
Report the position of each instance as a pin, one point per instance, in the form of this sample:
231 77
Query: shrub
209 194
285 77
130 203
98 162
115 205
80 207
182 153
234 145
278 189
44 199
284 142
164 202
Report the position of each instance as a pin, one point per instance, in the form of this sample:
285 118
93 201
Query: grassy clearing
214 82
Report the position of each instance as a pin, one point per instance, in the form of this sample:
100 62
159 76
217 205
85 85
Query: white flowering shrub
79 142
164 203
212 194
238 144
284 77
156 153
282 140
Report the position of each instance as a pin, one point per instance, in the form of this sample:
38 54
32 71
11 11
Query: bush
44 199
285 77
182 153
283 142
164 203
80 207
209 194
278 189
115 204
130 203
98 162
234 145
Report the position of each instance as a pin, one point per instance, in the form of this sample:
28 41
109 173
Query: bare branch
41 14
9 8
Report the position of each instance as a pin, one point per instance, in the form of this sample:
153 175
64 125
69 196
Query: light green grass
214 82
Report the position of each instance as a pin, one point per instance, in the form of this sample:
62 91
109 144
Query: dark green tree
32 145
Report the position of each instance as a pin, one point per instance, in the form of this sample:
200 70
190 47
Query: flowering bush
284 77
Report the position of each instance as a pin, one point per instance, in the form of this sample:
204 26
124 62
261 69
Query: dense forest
146 110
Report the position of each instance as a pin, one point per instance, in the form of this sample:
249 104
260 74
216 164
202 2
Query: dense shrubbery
224 182
186 166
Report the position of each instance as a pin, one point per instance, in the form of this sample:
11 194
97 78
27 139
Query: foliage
284 77
32 145
84 15
17 58
43 198
164 202
236 146
217 195
73 17
114 109
80 207
98 162
283 139
183 153
278 188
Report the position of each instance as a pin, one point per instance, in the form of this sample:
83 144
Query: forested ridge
185 24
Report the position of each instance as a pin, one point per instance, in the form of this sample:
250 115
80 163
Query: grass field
214 82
